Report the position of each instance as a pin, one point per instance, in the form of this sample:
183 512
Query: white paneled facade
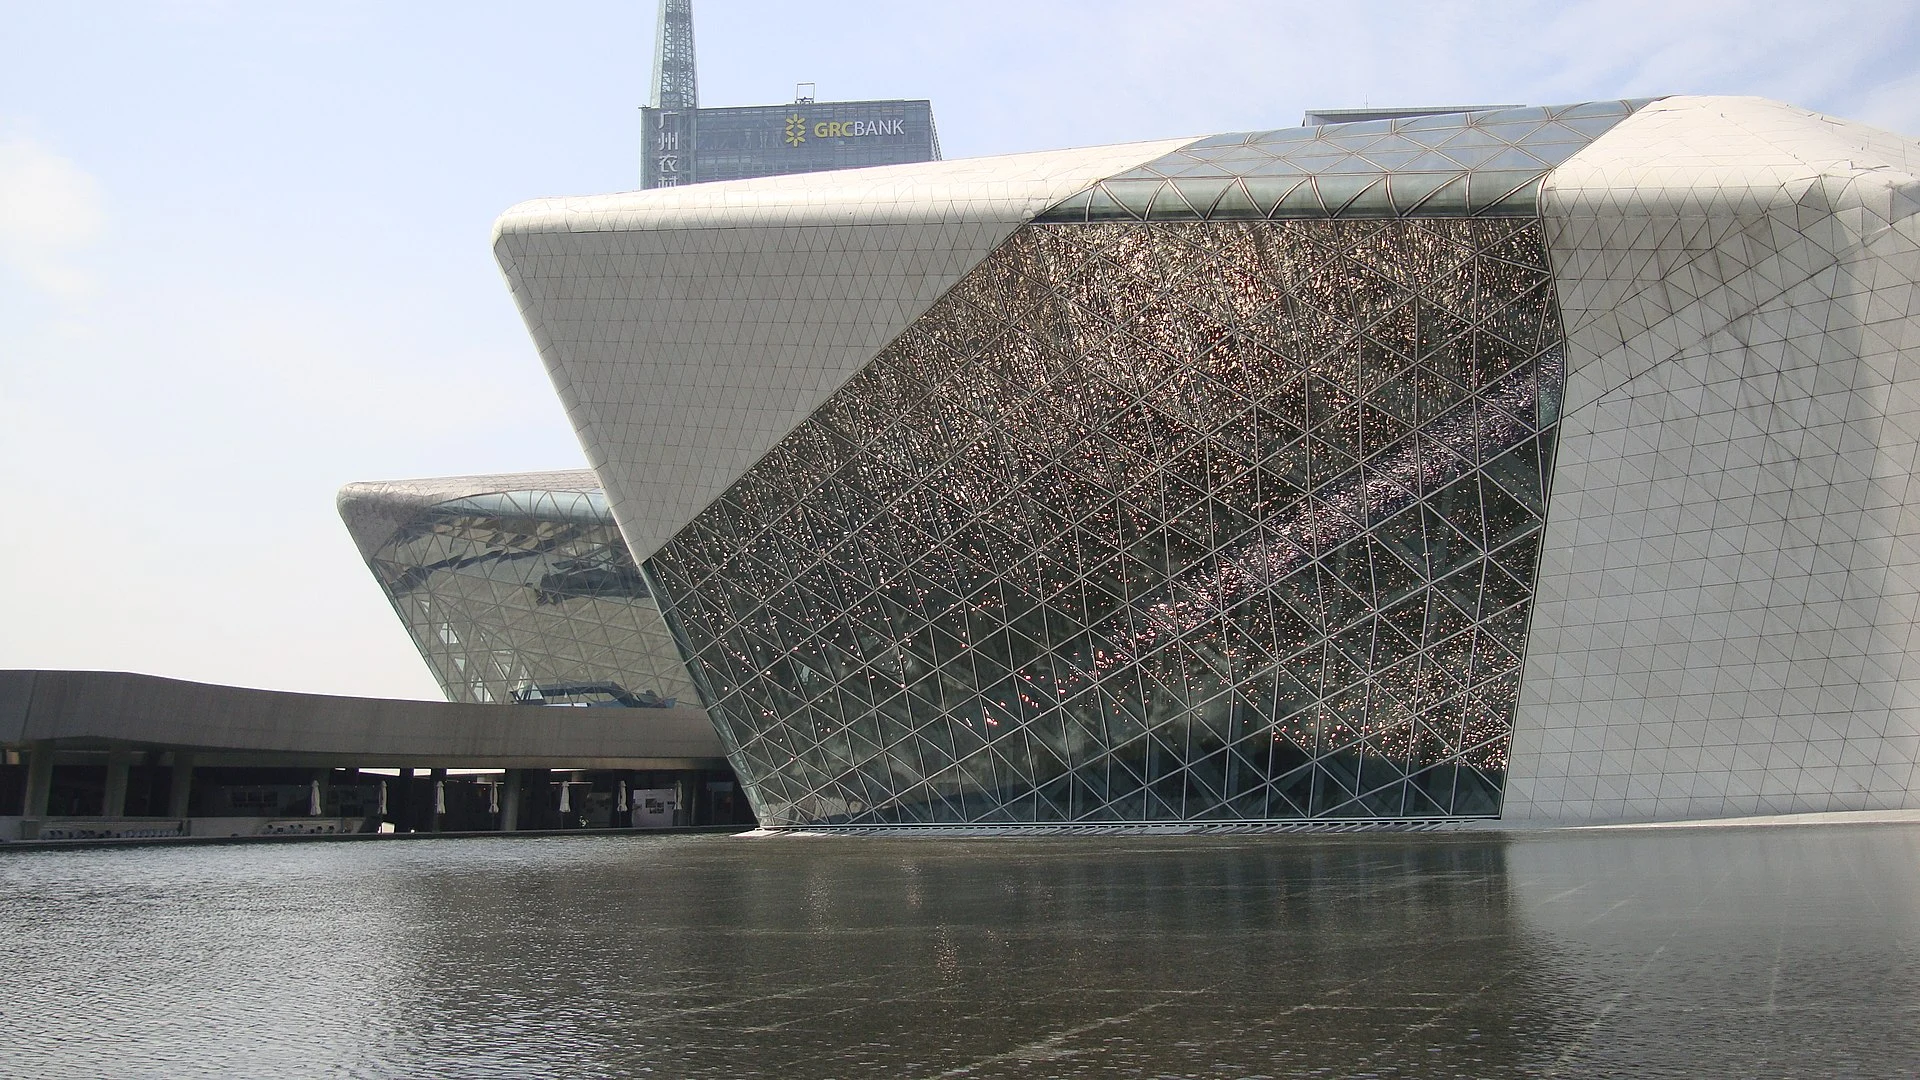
1725 621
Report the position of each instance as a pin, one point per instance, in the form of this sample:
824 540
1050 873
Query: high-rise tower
674 84
682 143
667 141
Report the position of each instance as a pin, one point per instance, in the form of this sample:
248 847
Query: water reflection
1724 951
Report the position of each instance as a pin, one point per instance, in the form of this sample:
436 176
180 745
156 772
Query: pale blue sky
243 245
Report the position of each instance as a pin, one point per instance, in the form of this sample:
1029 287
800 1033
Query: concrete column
119 760
400 802
510 801
536 787
180 793
39 779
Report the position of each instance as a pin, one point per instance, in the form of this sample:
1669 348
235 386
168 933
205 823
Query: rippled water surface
1787 951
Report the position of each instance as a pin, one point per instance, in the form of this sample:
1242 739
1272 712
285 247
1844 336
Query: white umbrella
566 797
313 800
439 796
383 798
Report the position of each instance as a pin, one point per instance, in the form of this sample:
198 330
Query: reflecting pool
1729 951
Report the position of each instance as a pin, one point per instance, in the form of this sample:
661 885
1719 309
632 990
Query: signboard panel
681 147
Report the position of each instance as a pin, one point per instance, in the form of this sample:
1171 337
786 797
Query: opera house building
517 589
1540 465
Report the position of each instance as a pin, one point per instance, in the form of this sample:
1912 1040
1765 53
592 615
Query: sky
244 246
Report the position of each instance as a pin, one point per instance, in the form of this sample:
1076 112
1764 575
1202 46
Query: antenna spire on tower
674 85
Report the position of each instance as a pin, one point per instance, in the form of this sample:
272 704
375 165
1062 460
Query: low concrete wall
99 828
308 826
14 829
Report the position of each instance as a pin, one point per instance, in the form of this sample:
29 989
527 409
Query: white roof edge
887 194
1698 141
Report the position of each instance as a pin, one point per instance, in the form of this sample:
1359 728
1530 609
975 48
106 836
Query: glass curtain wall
1150 521
530 596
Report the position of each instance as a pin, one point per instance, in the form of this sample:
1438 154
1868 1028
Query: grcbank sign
799 129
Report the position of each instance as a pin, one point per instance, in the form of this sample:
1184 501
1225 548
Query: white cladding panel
688 330
1730 581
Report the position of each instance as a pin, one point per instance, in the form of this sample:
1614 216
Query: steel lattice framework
675 85
1142 522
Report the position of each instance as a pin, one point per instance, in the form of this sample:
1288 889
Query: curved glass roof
574 507
1448 165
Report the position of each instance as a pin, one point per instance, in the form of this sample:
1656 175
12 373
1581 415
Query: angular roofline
1318 117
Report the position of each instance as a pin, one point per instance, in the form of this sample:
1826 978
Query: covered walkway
110 754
